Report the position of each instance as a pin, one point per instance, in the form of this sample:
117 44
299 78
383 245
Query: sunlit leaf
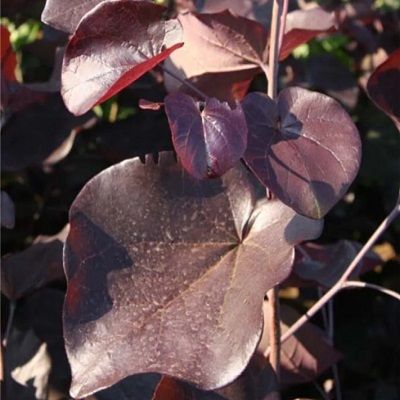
304 147
167 273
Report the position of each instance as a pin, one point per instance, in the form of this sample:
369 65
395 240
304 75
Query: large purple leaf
114 44
167 273
383 86
65 15
219 43
304 147
208 141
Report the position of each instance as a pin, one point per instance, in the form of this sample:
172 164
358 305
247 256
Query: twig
274 49
185 82
361 285
278 19
10 321
274 326
340 283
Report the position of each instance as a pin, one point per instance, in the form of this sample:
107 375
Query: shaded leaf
306 354
24 272
381 84
127 39
327 263
304 147
33 134
16 96
7 211
138 135
209 137
172 277
218 43
302 25
257 382
328 74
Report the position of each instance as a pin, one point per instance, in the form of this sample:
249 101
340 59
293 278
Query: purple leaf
127 39
167 273
39 133
306 354
303 25
208 141
256 10
65 15
24 272
220 43
327 263
304 147
382 87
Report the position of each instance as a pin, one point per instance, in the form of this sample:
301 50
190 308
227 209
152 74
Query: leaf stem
185 82
341 283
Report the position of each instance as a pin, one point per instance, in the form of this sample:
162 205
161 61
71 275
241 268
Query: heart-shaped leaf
218 43
304 147
208 141
168 274
383 86
65 15
127 39
303 25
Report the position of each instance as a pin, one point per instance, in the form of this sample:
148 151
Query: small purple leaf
304 147
208 141
115 43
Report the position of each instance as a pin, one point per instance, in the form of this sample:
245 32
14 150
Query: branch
340 284
361 285
279 13
274 326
